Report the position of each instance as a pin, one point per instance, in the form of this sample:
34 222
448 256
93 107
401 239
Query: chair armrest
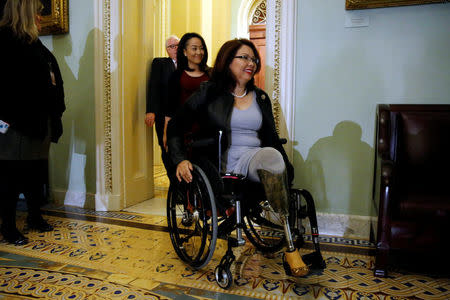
385 204
383 138
387 169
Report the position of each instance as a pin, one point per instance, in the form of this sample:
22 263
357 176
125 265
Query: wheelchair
215 205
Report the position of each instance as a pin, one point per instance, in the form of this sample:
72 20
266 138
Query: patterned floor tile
124 258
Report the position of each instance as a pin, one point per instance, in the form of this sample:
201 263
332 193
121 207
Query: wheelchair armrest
232 176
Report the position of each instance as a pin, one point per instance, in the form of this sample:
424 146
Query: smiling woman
55 17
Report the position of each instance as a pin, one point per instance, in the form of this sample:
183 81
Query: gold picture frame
364 4
55 17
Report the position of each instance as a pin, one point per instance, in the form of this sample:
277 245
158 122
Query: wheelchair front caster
223 276
222 272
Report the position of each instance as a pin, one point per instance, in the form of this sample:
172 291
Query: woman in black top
231 103
31 105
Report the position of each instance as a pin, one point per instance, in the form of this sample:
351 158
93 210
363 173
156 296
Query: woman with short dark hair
31 107
230 102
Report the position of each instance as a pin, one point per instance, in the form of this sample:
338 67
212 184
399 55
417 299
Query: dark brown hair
182 62
221 73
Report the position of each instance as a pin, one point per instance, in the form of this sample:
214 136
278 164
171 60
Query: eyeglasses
248 58
172 46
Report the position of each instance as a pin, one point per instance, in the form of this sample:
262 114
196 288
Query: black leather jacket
212 111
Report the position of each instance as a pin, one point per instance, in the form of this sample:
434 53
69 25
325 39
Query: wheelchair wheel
264 228
192 219
223 277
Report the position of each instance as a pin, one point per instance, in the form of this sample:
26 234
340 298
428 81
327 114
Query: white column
108 161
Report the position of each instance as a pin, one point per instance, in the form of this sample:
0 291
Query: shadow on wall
73 158
338 171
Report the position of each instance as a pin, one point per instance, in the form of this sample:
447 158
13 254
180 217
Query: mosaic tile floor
120 255
160 177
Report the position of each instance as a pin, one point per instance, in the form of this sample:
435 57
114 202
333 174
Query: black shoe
39 224
13 236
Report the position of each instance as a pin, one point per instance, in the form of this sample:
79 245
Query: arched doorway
257 33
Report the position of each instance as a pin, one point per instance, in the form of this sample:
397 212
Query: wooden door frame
108 60
281 25
257 34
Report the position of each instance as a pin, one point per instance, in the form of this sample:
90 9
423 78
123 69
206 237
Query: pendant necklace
241 96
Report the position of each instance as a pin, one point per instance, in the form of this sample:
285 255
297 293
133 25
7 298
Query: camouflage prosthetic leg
276 189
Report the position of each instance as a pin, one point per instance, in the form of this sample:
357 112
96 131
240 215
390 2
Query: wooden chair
412 184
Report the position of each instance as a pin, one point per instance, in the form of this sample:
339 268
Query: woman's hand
150 119
184 169
166 122
165 141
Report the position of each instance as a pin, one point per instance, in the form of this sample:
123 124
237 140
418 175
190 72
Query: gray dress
245 142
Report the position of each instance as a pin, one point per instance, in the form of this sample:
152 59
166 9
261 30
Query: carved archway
257 34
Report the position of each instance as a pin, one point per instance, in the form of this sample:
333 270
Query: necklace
241 96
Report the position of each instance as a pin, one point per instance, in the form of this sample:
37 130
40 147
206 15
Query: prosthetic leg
276 189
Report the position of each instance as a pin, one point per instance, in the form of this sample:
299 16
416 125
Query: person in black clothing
157 89
32 104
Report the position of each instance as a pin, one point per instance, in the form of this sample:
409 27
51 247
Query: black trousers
21 176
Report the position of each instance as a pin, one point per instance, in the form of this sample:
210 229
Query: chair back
416 138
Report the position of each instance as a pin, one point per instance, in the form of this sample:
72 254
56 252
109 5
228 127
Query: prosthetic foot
294 265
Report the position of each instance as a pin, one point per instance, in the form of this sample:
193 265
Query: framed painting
364 4
55 17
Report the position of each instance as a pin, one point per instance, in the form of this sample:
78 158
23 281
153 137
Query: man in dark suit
157 87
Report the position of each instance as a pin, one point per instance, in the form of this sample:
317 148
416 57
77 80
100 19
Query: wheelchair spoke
264 228
267 222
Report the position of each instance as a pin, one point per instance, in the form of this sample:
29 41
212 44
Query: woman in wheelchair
231 104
